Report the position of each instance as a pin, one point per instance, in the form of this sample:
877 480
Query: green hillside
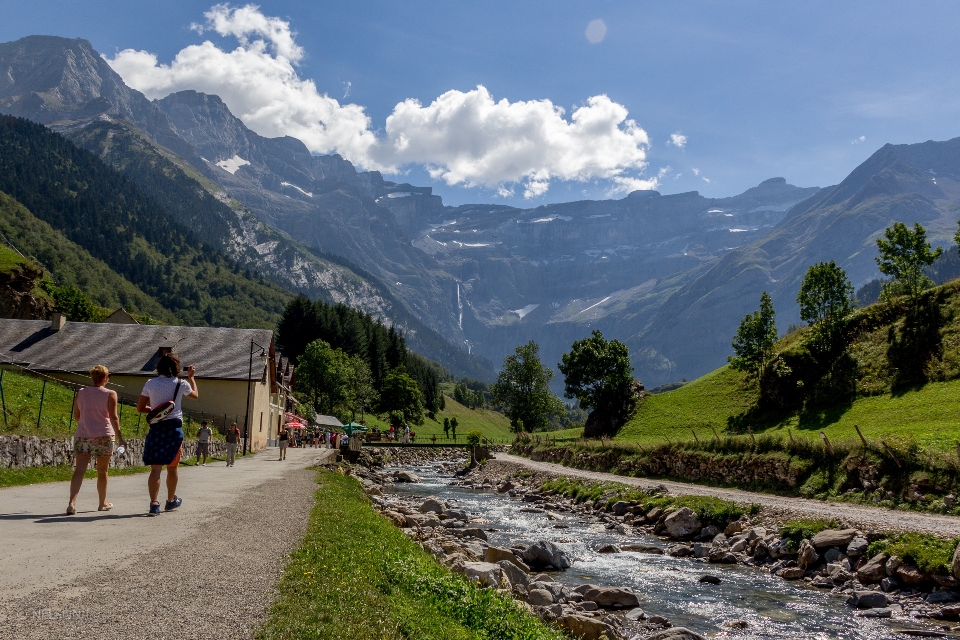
99 209
925 410
69 264
491 424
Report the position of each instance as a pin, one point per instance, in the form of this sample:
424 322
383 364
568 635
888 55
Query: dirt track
863 517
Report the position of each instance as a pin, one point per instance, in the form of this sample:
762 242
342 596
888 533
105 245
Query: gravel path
210 573
863 517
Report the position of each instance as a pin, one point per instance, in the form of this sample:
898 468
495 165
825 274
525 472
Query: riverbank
356 576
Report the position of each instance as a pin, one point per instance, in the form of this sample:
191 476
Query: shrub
797 530
928 552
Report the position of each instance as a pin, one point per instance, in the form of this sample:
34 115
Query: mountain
671 275
899 183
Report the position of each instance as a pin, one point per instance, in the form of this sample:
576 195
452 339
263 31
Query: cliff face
18 297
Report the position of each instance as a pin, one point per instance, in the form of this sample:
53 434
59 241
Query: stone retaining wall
19 452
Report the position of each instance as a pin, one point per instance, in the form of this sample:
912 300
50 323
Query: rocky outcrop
18 293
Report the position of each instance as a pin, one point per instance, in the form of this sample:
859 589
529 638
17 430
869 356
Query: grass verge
708 509
35 475
356 576
927 552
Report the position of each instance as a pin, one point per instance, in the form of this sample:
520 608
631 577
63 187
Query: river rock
939 597
893 563
498 554
586 628
609 548
876 613
792 573
733 528
833 538
832 555
777 548
676 633
608 597
406 476
486 573
857 547
680 551
514 574
431 505
682 523
911 575
868 599
475 532
398 519
951 612
874 571
709 580
806 555
543 554
642 548
620 507
456 514
540 598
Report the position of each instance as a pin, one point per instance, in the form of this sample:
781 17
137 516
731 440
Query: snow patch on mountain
232 164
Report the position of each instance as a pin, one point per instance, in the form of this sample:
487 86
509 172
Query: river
748 603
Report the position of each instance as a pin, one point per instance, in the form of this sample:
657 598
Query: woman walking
284 438
97 423
233 439
164 441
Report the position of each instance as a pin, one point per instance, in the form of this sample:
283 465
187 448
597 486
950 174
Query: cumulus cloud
461 137
858 140
678 140
596 31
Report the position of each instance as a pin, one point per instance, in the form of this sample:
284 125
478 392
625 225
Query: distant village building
231 364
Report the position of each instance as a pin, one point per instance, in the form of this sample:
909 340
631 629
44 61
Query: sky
528 102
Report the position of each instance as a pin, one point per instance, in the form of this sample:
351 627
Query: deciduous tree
825 298
903 255
522 390
598 374
401 394
755 339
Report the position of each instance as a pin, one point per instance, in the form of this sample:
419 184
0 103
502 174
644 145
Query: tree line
348 362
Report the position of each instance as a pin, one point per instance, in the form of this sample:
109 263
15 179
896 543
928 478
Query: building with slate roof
225 370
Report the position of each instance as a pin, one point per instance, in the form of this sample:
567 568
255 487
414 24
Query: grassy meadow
491 424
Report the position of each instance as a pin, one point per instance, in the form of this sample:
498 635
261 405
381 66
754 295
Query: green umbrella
354 426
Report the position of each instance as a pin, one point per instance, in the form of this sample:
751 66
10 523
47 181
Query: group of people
98 430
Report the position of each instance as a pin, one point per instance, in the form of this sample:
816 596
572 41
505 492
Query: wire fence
41 403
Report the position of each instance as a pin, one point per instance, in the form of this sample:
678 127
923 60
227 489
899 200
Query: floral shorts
96 447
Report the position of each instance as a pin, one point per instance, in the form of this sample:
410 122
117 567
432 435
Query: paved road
873 518
205 570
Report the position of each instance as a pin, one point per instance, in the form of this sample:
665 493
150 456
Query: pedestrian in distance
233 441
453 428
204 435
284 441
160 400
95 411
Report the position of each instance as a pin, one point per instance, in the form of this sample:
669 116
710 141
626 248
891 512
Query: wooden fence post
43 393
889 451
864 440
715 434
790 435
826 443
752 439
695 438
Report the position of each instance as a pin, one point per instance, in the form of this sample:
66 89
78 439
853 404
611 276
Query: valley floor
872 518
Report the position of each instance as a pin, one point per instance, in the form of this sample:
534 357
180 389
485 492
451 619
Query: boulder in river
609 597
514 574
806 555
498 554
544 554
833 538
609 548
676 633
868 599
431 505
406 476
540 598
857 547
586 628
874 571
682 523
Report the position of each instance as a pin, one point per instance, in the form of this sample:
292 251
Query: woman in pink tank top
97 423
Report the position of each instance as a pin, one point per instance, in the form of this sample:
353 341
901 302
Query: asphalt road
865 517
206 570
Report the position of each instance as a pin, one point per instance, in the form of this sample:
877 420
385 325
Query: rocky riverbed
617 571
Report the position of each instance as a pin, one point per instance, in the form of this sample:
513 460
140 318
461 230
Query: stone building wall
20 452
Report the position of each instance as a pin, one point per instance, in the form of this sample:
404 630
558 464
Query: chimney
59 321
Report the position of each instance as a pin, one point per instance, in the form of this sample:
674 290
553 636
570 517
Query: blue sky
801 90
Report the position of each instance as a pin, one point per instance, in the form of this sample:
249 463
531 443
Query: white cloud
596 31
462 137
678 140
346 89
696 171
858 140
504 192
